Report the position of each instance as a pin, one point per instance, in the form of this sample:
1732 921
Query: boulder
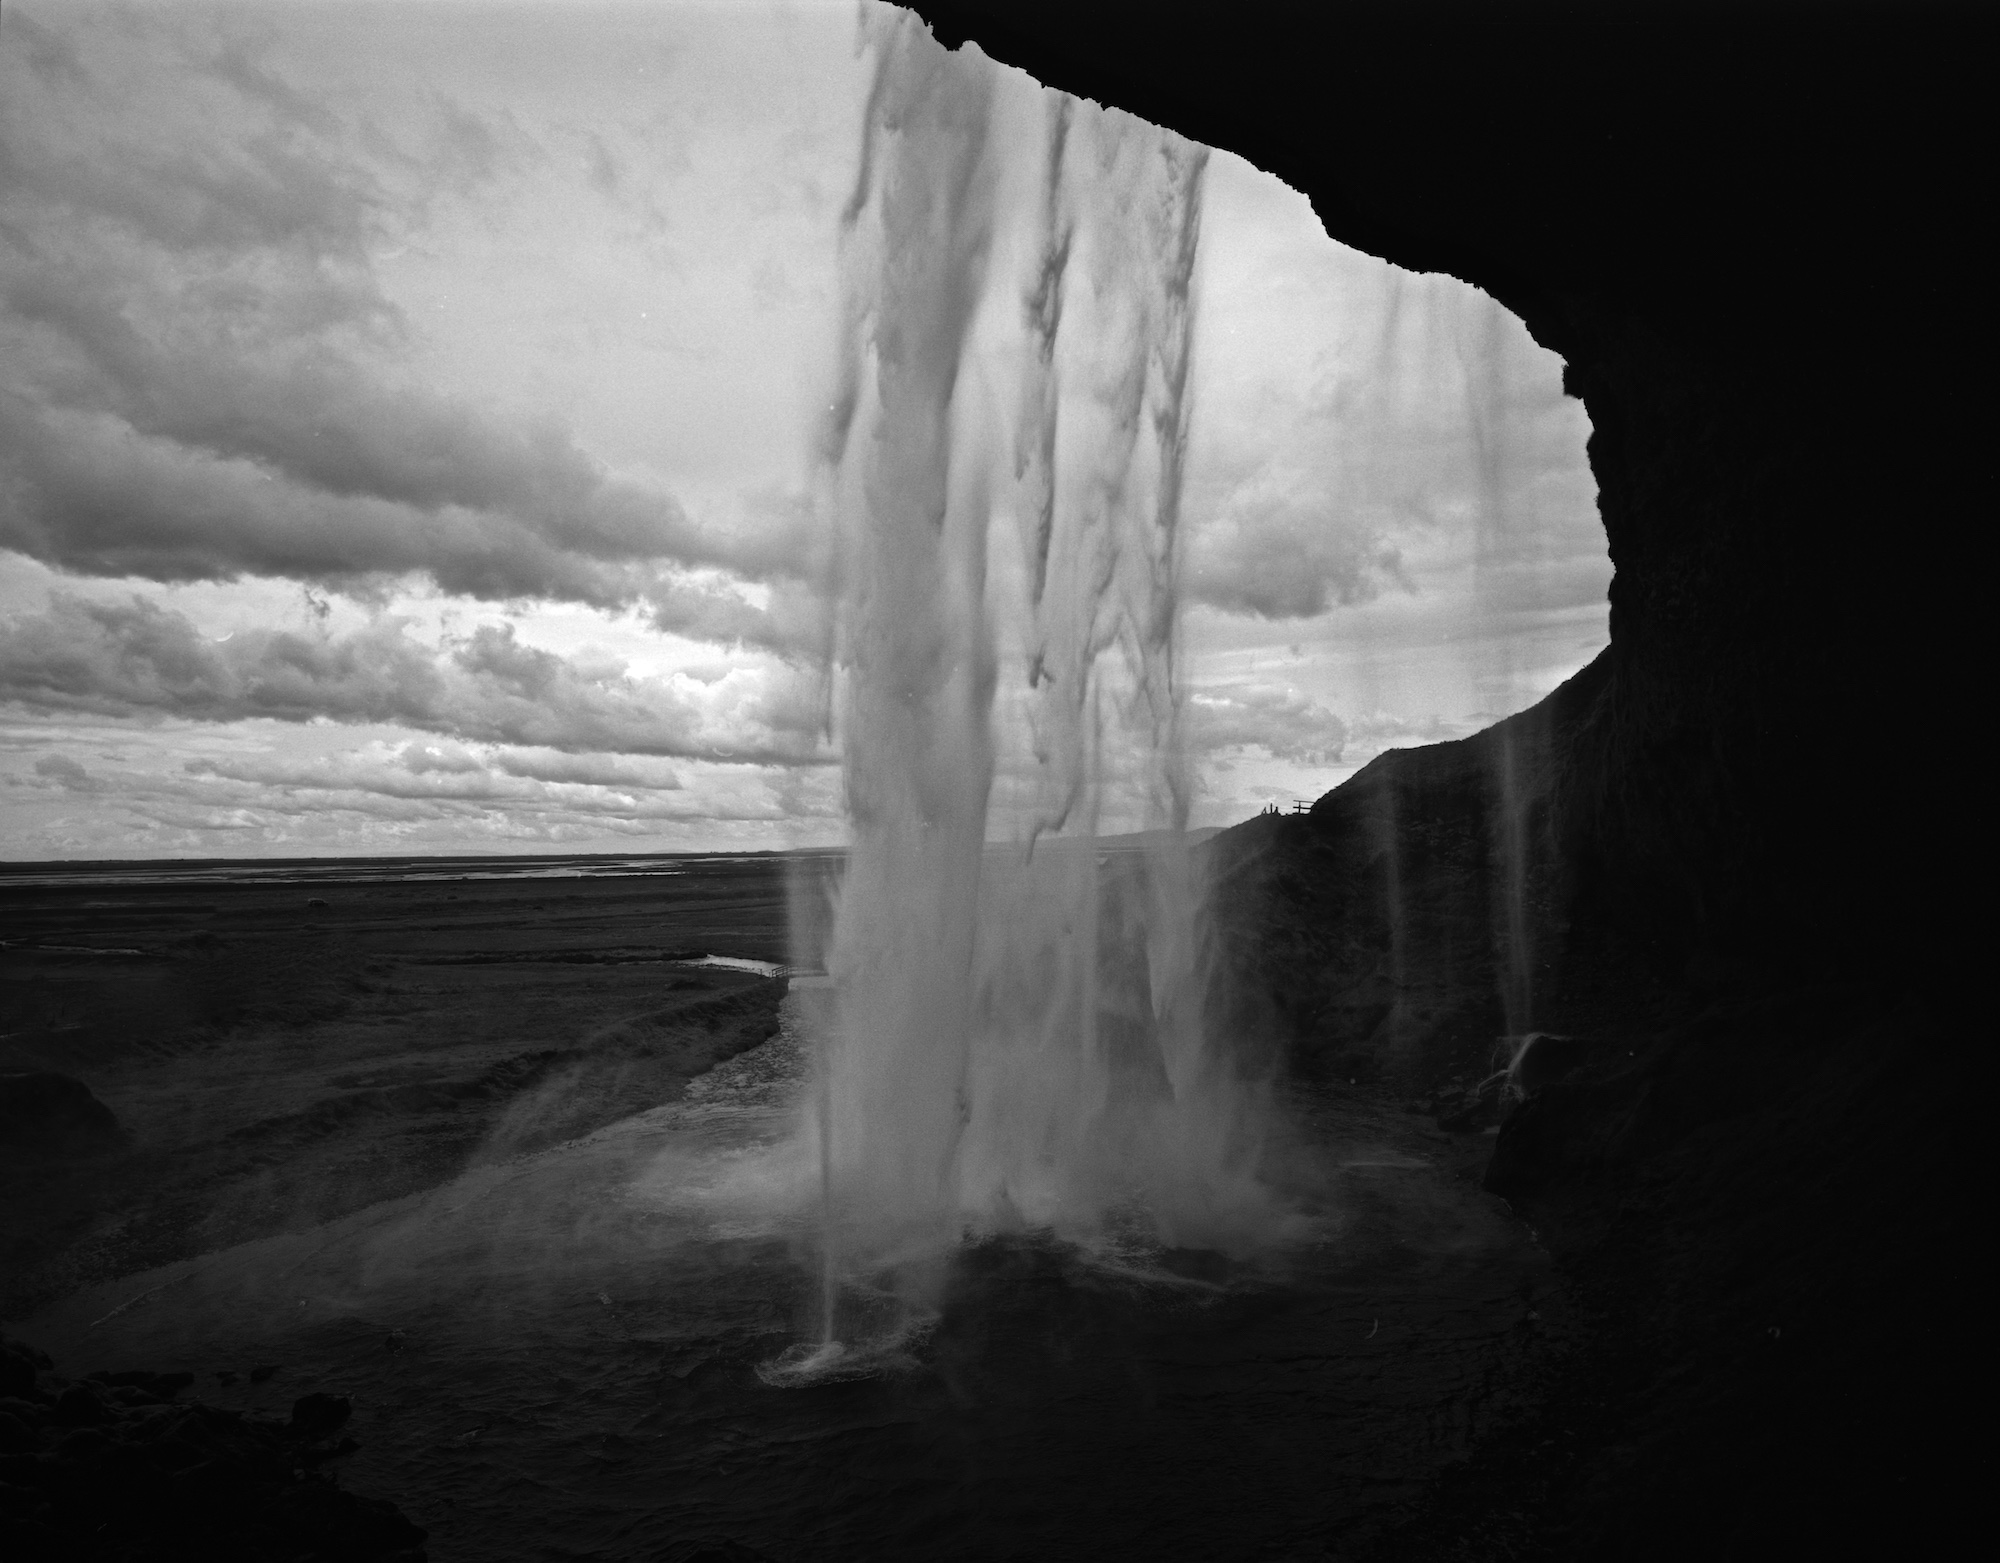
1472 1108
1540 1141
1545 1058
53 1114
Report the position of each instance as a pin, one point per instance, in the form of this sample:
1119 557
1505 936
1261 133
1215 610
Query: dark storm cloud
126 454
137 659
183 310
191 467
263 189
98 495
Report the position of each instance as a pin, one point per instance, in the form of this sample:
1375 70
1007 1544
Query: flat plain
286 1045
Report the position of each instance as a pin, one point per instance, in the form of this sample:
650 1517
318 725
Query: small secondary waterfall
1016 1038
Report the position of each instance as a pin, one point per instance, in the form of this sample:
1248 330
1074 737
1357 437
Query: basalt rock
1545 1058
1413 919
109 1468
1539 1142
53 1114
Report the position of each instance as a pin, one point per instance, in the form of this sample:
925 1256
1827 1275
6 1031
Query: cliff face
1419 914
1745 229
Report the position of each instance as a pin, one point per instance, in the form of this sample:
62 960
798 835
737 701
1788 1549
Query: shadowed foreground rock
110 1467
53 1114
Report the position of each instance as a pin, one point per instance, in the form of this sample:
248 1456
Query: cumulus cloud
138 659
1284 723
1375 732
1328 557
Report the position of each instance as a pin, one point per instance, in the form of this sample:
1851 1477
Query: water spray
1017 1033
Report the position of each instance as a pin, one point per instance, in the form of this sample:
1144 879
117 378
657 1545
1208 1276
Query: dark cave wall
1746 229
1741 228
1422 912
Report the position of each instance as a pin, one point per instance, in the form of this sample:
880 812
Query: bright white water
1017 1039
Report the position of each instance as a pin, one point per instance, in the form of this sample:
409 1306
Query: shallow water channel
559 1357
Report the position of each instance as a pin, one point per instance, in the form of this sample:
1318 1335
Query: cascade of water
1017 1032
1517 987
1501 540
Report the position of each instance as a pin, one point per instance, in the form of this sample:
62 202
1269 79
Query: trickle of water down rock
1016 1038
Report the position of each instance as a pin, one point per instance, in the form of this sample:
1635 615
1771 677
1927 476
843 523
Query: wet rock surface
114 1466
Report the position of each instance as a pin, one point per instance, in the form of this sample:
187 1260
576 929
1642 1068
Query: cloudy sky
406 416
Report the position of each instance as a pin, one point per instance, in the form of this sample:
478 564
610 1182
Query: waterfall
1016 1039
